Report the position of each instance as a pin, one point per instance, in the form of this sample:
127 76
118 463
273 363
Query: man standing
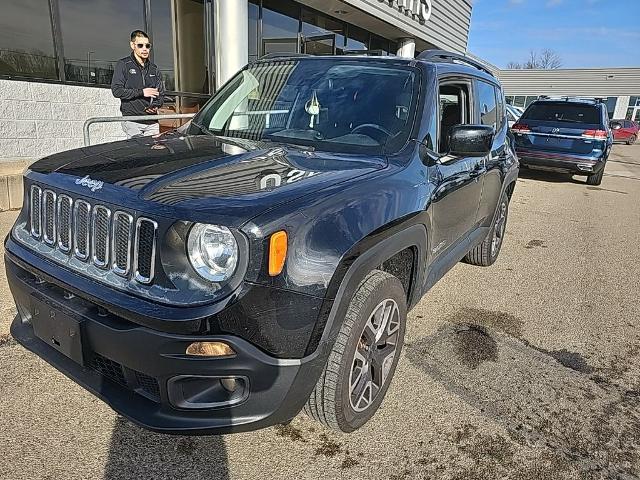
137 82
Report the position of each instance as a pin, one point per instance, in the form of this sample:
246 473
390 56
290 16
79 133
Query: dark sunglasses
140 45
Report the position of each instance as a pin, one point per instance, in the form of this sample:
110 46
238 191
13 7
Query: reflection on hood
266 171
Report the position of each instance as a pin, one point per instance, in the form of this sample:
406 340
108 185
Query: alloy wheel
498 231
374 355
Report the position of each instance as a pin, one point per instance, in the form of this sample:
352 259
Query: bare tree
549 60
545 60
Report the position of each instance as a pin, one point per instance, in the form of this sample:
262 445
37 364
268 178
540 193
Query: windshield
345 106
562 112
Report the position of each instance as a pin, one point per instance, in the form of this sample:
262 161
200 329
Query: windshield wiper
297 146
567 120
248 145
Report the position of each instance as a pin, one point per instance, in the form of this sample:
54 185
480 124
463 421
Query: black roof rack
445 56
284 55
567 98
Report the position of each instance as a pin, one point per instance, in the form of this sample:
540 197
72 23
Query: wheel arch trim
414 236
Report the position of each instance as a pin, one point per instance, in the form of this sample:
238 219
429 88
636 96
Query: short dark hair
138 33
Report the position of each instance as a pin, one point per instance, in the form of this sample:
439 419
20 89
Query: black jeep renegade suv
261 259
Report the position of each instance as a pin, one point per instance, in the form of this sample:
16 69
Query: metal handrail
134 118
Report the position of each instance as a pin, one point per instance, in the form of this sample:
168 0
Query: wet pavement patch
289 431
544 400
7 340
571 360
487 319
328 447
349 462
473 345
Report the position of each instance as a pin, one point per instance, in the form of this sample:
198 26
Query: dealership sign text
418 9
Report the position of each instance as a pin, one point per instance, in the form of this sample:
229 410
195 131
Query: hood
199 177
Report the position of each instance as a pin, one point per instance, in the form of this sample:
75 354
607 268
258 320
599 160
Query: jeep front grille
49 217
81 214
145 250
122 233
101 221
35 206
92 233
65 210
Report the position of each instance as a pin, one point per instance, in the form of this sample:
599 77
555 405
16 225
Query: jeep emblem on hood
92 184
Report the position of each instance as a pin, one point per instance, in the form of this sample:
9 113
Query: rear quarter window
563 112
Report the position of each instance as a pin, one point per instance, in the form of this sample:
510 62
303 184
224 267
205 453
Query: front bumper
142 373
584 165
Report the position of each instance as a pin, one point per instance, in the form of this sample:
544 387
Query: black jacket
129 78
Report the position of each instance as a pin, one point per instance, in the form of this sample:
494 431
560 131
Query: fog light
210 349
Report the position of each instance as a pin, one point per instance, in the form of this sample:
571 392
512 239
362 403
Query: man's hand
150 92
151 110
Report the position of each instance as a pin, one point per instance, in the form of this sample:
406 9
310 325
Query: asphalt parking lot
529 369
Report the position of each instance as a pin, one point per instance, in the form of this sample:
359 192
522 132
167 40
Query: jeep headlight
213 251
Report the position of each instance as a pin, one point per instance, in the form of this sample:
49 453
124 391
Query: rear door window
563 112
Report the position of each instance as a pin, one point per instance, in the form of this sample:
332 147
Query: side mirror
615 125
471 140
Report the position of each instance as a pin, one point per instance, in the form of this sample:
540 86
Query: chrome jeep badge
92 184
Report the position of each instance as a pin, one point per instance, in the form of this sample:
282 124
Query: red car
624 131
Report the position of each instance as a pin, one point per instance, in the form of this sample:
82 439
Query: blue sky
585 33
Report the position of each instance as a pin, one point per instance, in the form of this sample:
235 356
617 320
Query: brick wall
38 119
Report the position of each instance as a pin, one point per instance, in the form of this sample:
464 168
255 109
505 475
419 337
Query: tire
333 403
596 178
632 140
486 253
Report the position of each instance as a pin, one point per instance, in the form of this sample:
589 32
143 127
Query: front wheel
364 358
486 253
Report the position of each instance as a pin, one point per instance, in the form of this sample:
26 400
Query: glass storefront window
380 44
611 106
280 26
519 101
189 40
357 38
26 41
330 31
179 26
633 114
530 100
163 43
254 14
95 35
